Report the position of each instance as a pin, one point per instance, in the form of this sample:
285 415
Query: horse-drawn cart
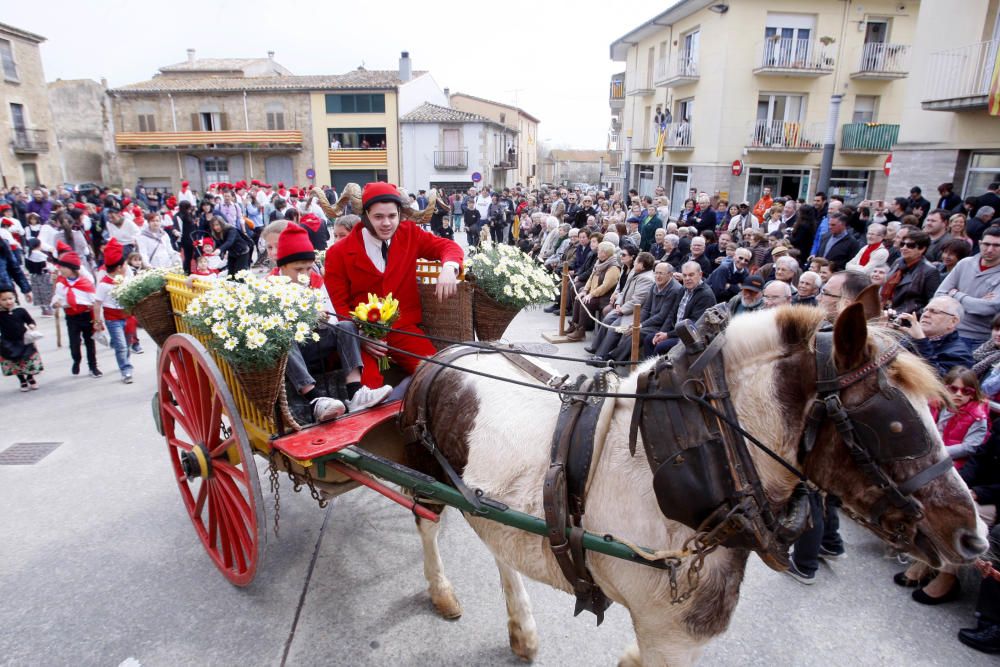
213 430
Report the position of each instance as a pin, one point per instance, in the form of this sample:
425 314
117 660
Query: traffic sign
887 167
476 177
310 173
737 167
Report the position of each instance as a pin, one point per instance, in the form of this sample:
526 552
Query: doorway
678 190
788 183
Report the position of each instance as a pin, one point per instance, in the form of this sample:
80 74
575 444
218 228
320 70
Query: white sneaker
325 408
366 398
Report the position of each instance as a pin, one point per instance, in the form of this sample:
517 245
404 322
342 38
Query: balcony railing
960 78
358 157
30 141
508 162
778 135
794 57
616 94
677 137
868 138
682 69
262 139
883 61
451 159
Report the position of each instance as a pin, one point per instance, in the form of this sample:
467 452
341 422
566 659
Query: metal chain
272 474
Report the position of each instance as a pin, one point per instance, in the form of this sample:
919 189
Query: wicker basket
261 387
490 318
156 316
447 320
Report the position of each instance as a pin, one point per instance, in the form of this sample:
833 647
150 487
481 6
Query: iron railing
794 54
960 72
779 135
868 137
451 159
880 58
30 141
677 136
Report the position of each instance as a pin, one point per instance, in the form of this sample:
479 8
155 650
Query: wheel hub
196 463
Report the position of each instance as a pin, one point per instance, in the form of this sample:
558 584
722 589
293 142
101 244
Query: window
851 184
147 122
685 110
984 168
17 117
788 39
30 170
356 137
211 121
650 63
357 103
645 180
216 169
275 120
649 135
777 107
864 108
7 56
688 57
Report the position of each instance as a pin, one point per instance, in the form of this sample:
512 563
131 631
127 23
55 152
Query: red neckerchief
81 284
867 254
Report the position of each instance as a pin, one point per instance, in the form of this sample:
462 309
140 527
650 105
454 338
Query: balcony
616 96
793 57
681 71
777 136
262 140
451 159
868 138
364 158
959 79
677 137
30 141
883 62
642 84
509 162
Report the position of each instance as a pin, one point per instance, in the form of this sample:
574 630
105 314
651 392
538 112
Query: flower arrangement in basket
252 323
375 318
506 281
146 297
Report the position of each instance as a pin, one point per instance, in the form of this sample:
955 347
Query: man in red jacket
379 257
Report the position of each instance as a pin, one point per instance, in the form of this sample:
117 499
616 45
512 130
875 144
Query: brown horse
770 364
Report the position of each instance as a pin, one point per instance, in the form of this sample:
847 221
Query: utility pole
627 165
833 115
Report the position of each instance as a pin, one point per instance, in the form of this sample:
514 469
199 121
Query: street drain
26 453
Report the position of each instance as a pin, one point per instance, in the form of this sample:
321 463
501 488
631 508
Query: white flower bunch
131 291
510 276
253 323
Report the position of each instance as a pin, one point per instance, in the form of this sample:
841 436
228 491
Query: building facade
443 147
516 139
29 155
568 167
947 134
732 97
81 114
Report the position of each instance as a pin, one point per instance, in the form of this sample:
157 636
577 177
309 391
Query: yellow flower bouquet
374 318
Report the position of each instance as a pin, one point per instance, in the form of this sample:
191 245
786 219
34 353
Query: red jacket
350 274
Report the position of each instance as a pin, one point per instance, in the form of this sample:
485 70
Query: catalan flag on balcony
993 104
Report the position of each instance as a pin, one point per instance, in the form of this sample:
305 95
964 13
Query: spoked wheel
211 458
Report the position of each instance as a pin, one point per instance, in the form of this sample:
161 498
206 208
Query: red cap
171 202
311 221
113 254
4 207
294 245
80 205
70 260
126 203
184 184
379 192
61 247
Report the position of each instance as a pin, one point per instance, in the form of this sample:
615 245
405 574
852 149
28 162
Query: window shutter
270 120
151 122
280 120
142 123
225 121
196 122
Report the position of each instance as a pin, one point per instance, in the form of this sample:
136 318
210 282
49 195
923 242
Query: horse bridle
871 442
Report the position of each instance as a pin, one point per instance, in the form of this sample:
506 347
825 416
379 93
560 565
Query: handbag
30 336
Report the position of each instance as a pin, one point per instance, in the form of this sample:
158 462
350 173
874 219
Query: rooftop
23 34
432 113
561 155
359 79
679 10
499 104
225 65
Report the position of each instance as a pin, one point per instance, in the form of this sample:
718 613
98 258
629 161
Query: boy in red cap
108 313
186 194
379 257
75 294
296 259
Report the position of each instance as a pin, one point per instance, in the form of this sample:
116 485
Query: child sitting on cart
296 259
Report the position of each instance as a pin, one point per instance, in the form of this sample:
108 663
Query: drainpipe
173 119
246 121
833 115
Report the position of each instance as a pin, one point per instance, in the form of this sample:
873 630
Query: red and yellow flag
993 103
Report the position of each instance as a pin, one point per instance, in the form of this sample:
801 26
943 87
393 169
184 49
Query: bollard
562 299
58 327
636 326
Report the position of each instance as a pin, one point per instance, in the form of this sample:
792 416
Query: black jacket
802 240
659 305
916 287
701 300
982 471
233 243
943 353
841 252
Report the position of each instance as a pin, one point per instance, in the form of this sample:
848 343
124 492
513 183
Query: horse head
867 435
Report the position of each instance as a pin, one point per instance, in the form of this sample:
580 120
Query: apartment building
730 97
947 133
515 159
30 153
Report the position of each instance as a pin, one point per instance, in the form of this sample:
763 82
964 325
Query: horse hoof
447 606
523 644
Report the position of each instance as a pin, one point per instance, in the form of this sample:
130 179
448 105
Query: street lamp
719 8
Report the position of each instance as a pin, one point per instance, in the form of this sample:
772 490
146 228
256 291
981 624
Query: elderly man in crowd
975 284
777 293
934 336
808 289
786 270
725 281
838 245
750 297
983 219
659 306
696 299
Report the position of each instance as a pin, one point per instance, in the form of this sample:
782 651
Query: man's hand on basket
375 348
447 283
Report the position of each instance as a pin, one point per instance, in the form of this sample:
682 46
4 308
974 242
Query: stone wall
80 116
926 168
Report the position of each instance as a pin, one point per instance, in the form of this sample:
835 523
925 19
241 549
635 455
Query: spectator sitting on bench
296 259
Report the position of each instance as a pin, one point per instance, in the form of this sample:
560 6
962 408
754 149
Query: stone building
81 112
29 154
568 167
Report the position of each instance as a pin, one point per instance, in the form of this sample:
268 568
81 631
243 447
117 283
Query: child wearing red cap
108 313
18 354
296 259
74 293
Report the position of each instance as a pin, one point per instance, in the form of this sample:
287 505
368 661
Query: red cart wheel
211 458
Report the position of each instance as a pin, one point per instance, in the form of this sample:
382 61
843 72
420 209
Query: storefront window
851 184
984 168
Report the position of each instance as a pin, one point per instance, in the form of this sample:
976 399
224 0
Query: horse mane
768 332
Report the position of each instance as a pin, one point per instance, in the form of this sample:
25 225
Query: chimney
190 55
270 55
405 67
447 96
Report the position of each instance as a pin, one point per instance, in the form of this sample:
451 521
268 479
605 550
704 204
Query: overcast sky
550 58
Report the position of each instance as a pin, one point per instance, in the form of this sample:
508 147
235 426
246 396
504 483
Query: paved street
99 564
